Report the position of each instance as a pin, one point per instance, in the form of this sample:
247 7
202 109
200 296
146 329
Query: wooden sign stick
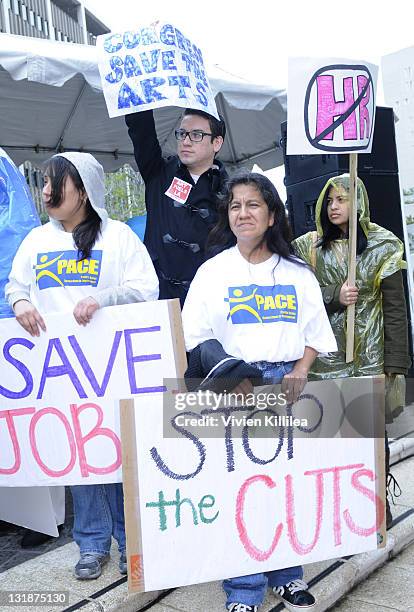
352 240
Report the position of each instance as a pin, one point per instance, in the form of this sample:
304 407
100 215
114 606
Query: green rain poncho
382 257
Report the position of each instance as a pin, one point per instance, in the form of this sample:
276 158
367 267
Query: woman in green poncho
381 338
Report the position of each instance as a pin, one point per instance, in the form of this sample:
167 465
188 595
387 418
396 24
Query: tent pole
69 119
221 110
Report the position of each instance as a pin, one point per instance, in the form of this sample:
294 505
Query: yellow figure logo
256 304
44 263
240 302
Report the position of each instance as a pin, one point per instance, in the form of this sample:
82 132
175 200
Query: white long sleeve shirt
46 270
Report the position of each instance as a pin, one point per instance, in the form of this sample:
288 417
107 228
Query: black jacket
175 234
211 368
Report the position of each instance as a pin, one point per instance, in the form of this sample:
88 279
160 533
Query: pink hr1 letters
339 108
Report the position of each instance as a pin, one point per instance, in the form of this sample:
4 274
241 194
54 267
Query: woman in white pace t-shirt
264 306
77 263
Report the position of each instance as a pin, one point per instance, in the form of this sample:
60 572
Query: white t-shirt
258 312
46 269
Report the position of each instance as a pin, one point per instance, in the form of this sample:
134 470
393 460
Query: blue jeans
98 515
251 590
273 372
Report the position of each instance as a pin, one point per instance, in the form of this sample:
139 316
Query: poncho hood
362 201
93 179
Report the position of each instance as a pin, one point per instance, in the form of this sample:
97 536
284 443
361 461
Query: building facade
70 21
62 20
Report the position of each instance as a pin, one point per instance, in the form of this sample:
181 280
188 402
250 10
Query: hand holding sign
29 317
150 67
84 310
348 294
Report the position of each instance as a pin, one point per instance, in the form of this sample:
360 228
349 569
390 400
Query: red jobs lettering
77 440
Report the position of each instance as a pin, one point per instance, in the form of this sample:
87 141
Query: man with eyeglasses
180 194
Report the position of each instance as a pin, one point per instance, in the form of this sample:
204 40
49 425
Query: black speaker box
381 160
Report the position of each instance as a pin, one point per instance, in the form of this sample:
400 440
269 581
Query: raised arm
147 150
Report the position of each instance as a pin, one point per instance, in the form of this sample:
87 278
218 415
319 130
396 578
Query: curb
354 570
401 448
334 583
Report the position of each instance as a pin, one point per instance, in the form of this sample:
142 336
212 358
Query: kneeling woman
265 307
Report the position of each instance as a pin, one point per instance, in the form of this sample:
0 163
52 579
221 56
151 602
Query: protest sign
331 109
151 67
331 106
29 507
59 417
207 498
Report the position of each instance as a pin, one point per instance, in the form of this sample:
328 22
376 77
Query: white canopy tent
51 100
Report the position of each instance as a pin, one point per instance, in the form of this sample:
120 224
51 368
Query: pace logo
256 304
64 269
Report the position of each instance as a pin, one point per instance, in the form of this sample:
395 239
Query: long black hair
277 237
85 234
332 232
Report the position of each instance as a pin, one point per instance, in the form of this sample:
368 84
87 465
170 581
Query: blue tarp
137 224
17 217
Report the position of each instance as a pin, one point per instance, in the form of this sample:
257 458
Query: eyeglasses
194 135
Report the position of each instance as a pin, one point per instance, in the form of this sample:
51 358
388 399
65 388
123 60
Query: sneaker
295 596
90 566
239 607
123 564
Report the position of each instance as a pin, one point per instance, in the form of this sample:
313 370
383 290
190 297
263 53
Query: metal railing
91 39
2 25
29 18
66 28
